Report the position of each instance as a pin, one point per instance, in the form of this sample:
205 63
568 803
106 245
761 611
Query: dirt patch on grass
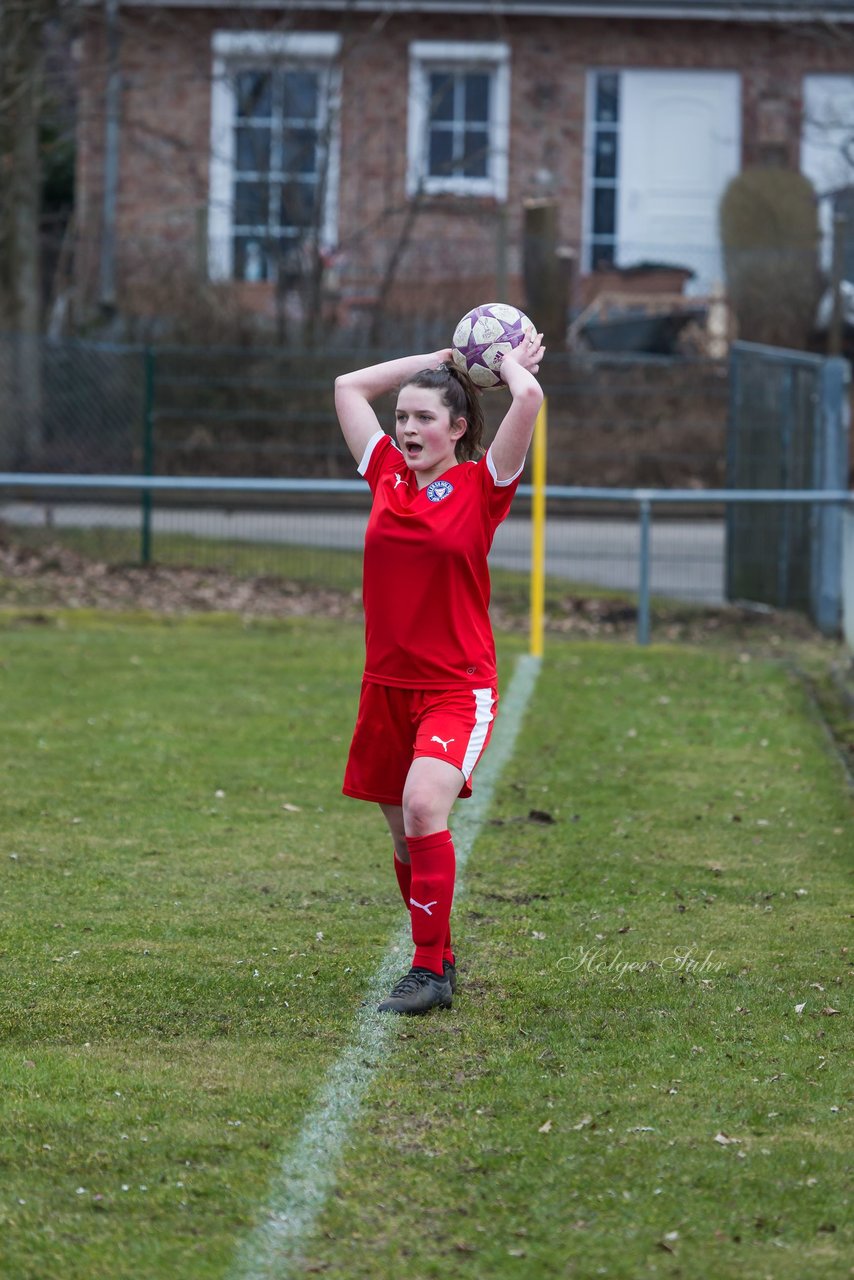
56 576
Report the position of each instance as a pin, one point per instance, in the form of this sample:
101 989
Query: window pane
604 211
290 261
475 153
300 95
253 149
607 99
251 204
254 95
250 260
605 158
297 204
441 96
477 98
440 160
602 255
299 151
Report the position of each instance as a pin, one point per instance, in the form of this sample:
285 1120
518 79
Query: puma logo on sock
425 907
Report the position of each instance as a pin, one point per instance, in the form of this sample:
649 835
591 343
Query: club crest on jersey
439 489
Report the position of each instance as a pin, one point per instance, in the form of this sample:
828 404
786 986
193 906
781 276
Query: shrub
769 231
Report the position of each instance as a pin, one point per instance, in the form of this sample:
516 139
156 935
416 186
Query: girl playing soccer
429 692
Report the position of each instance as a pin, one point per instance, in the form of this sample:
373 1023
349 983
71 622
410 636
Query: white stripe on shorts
483 717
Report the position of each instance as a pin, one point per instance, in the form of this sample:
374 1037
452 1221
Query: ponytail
460 396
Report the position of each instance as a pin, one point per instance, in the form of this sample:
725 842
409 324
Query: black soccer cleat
450 972
417 992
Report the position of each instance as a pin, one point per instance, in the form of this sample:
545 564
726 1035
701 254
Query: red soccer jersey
426 581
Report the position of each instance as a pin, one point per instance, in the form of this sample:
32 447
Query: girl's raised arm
513 437
354 393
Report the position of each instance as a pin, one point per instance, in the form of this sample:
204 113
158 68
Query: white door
680 144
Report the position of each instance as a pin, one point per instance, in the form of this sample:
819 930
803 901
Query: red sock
431 896
403 871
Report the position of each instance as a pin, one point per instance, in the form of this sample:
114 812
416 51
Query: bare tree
21 63
22 26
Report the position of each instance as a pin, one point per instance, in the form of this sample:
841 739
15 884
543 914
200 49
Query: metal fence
788 429
108 443
72 406
684 560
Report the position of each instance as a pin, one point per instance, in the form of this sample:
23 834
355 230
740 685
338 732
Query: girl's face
425 432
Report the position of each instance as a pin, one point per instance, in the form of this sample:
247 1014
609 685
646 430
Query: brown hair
460 396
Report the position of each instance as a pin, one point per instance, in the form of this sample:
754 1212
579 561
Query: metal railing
828 587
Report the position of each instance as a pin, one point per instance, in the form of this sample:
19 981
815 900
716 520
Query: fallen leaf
799 1008
545 1128
725 1140
828 1011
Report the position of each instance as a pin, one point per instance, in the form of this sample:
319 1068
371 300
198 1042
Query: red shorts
396 726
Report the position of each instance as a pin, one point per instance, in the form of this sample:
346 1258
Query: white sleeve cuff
501 484
369 449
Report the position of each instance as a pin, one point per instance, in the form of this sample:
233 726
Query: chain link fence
83 407
77 408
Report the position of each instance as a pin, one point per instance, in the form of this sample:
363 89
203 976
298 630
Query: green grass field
191 913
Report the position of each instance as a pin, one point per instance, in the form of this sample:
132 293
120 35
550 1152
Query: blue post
731 514
830 471
786 480
643 585
147 456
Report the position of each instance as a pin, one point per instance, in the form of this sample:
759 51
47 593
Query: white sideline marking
307 1174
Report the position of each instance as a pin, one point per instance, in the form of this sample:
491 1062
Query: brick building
381 154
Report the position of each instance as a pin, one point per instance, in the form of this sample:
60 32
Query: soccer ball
484 335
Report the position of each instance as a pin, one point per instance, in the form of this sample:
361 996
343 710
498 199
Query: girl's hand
527 355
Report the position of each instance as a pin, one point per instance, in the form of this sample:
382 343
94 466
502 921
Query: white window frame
231 50
426 56
820 142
